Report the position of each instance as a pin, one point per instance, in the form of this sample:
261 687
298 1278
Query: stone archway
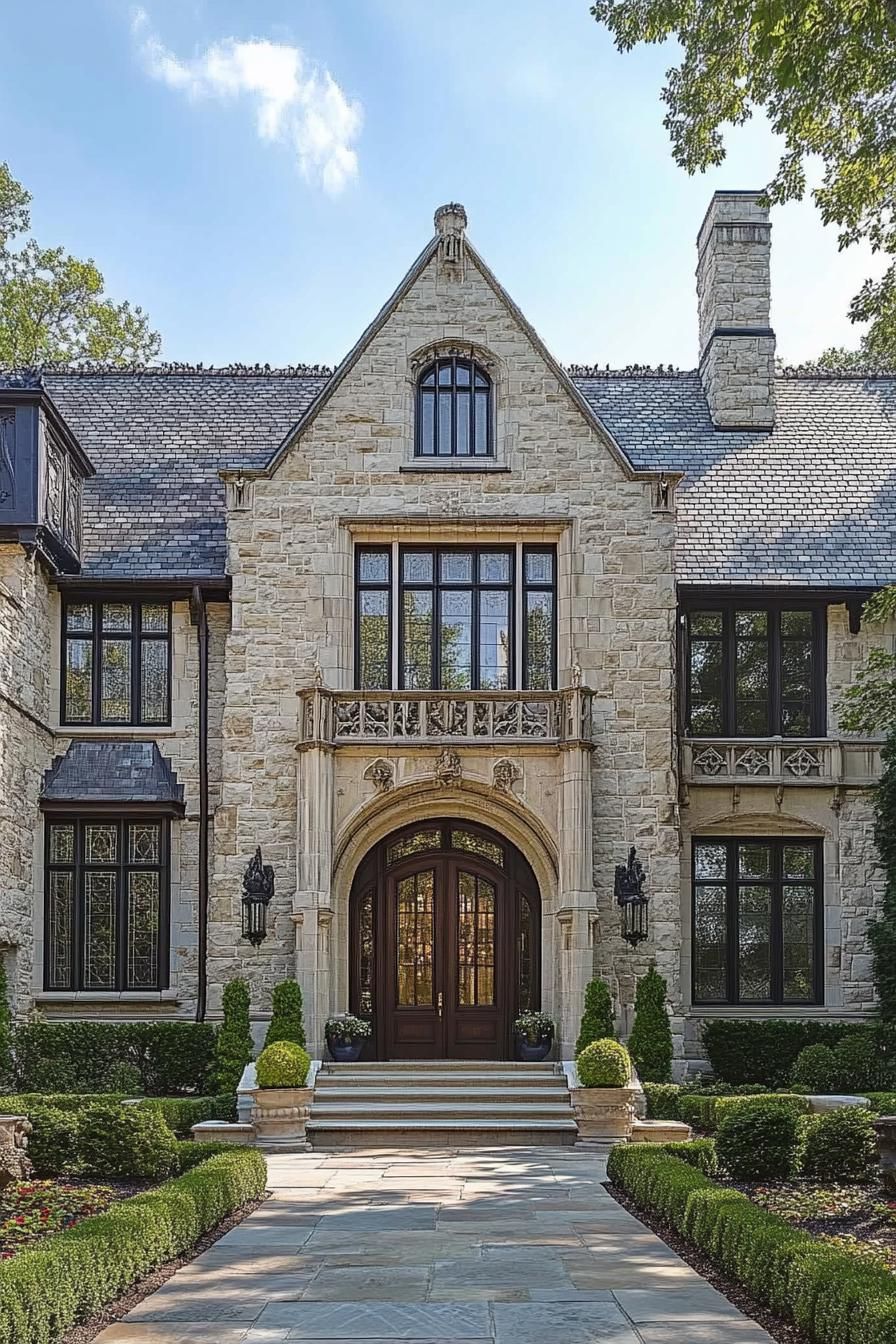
444 941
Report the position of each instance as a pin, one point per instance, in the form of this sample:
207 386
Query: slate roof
158 440
814 502
112 772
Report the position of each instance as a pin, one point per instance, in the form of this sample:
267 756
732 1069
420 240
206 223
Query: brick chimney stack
737 345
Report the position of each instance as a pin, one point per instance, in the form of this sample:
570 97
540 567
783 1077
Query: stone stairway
440 1103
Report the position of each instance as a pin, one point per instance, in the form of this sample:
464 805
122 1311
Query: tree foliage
52 307
650 1043
233 1043
597 1020
286 1022
824 73
869 704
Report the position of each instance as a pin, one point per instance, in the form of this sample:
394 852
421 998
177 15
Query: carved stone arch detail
769 823
463 349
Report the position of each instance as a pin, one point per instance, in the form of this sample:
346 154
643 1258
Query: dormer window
454 410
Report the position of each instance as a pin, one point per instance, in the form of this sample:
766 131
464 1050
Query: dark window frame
729 607
776 944
369 586
476 587
453 388
136 636
539 587
121 868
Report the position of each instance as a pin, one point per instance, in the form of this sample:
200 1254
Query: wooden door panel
415 1027
475 980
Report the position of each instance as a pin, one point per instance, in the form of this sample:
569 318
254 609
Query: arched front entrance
444 942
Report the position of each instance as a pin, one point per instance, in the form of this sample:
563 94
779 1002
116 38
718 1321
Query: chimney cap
450 218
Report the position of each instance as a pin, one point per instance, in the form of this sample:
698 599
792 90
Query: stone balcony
472 718
826 762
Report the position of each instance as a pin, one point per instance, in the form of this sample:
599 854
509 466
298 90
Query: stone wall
26 749
290 547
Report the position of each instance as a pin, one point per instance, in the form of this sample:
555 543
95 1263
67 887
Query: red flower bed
32 1209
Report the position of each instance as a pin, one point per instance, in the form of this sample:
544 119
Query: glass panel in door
414 912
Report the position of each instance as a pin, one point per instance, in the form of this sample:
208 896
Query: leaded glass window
454 410
456 618
106 904
116 663
755 671
757 921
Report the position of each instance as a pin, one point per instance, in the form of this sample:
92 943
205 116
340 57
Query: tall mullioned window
454 410
757 921
456 618
755 671
116 663
106 902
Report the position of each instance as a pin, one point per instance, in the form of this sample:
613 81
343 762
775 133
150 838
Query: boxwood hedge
71 1275
706 1112
834 1296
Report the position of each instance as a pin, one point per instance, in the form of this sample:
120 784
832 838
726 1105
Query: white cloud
295 102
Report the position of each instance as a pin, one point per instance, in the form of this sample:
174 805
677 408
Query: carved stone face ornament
505 774
448 769
381 774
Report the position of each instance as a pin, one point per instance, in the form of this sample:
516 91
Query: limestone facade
292 772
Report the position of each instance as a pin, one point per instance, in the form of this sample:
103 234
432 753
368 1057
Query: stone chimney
737 345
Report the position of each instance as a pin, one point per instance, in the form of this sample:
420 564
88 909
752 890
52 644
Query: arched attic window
454 410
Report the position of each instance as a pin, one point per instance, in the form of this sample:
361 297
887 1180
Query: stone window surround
560 532
753 823
418 362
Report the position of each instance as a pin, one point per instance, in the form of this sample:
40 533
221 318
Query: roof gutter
199 617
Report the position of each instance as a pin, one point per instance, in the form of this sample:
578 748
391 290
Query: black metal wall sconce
258 890
630 897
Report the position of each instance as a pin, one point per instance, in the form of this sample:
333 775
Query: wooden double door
445 939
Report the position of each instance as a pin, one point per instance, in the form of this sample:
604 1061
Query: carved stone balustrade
828 762
348 718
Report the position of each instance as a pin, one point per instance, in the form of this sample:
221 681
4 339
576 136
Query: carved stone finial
451 221
505 774
448 769
576 673
318 676
381 774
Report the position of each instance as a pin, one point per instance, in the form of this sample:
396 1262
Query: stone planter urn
279 1115
14 1163
885 1128
604 1114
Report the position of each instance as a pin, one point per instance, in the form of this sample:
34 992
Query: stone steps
440 1103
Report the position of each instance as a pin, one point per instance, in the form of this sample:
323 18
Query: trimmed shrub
79 1057
751 1051
6 1068
882 1103
70 1276
191 1152
286 1022
283 1064
702 1111
815 1069
182 1113
759 1140
597 1020
125 1142
650 1043
662 1101
604 1064
859 1063
835 1296
699 1153
839 1145
233 1043
53 1146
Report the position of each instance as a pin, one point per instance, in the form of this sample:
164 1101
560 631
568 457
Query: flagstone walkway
496 1246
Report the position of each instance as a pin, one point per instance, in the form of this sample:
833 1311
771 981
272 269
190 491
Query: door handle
439 1003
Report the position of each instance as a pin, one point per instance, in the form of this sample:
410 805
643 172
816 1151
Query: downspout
199 617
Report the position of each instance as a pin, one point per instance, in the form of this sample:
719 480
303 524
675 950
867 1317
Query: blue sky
260 175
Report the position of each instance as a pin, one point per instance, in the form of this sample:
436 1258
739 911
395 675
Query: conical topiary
597 1020
286 1017
233 1043
650 1044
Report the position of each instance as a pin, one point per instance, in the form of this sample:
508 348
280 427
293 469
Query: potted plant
604 1101
534 1033
345 1037
282 1102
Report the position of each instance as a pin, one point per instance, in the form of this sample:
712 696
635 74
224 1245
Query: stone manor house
445 632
